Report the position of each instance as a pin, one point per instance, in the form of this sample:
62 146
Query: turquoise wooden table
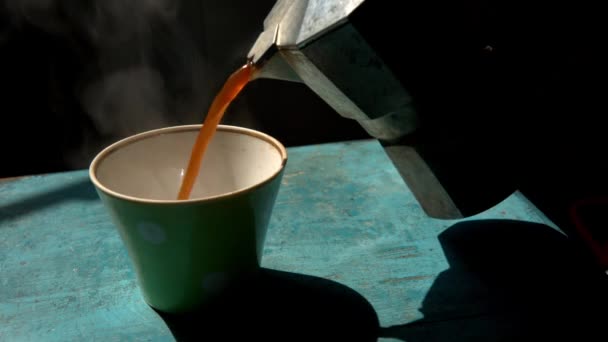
349 256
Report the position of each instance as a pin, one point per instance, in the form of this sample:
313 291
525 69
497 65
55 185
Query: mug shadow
273 305
510 281
81 189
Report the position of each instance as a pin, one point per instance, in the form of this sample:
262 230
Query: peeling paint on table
343 213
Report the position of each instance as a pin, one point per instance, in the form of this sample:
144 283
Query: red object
584 214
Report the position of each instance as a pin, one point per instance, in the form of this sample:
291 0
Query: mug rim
98 159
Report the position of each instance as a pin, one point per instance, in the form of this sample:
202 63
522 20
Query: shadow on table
510 281
280 306
77 190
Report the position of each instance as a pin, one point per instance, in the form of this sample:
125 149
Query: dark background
67 90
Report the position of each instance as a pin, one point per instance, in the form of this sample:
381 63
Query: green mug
184 251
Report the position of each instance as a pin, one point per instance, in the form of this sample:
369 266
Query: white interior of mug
151 165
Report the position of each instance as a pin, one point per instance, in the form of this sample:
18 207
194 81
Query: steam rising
127 101
142 70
